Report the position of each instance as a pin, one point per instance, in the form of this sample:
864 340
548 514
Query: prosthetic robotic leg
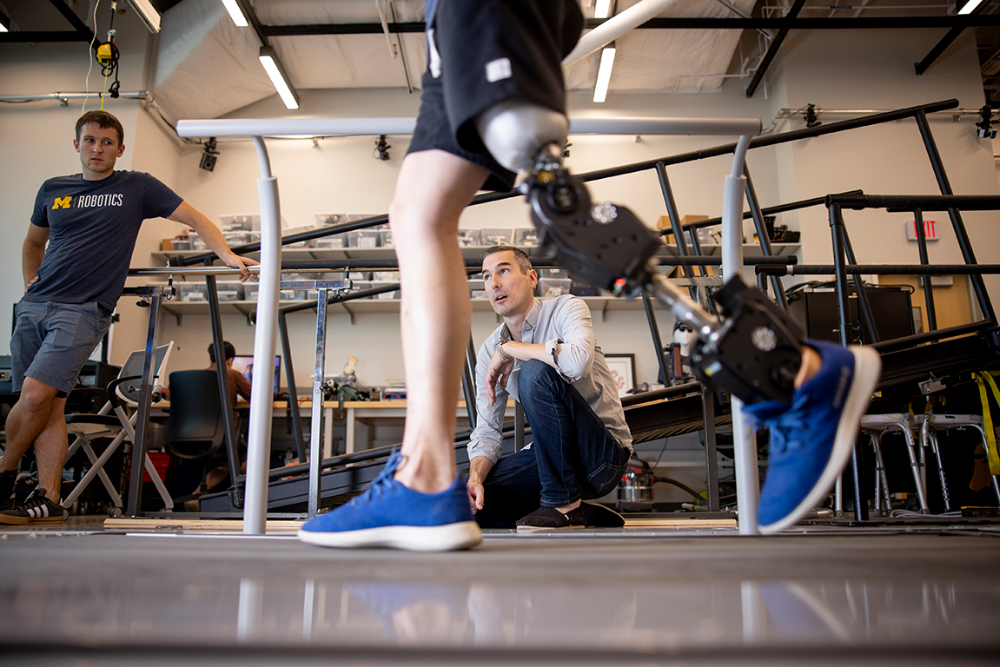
753 352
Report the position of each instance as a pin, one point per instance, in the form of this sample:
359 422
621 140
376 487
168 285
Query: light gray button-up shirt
563 325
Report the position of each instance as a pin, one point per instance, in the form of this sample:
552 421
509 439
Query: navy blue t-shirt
93 226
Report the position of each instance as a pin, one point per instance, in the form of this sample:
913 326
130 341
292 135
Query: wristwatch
503 352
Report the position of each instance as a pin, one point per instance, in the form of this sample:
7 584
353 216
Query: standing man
546 356
90 222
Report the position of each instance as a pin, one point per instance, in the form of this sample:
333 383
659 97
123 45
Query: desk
365 412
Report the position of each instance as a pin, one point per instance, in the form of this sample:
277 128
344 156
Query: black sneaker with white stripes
35 509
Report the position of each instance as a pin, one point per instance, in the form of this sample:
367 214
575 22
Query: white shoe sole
867 371
450 537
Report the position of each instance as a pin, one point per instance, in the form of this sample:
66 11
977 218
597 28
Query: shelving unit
598 304
468 252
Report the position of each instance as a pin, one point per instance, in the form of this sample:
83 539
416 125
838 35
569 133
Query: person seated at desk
545 355
239 387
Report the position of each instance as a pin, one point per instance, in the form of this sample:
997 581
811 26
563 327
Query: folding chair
113 421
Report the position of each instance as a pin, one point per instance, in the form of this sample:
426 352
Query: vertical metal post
870 331
226 401
956 218
654 331
293 393
918 220
711 459
142 418
765 241
744 436
839 260
707 302
316 431
261 402
675 221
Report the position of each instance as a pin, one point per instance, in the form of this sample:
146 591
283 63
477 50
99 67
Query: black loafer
549 518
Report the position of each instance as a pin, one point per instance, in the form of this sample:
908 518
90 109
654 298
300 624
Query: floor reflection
636 615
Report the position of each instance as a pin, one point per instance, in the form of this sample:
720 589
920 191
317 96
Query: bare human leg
433 189
27 419
50 450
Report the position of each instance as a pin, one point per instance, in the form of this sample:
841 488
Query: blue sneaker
389 514
812 439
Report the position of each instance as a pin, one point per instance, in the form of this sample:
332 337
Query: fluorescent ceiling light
236 13
4 22
148 13
602 9
269 59
970 7
604 73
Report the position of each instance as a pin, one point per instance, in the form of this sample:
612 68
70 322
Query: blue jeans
573 456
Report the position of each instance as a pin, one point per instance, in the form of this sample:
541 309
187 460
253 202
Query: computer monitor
244 364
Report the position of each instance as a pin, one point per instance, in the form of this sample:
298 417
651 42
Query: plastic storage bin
364 238
469 237
229 291
193 292
329 242
385 295
526 237
247 222
552 273
554 286
385 238
326 219
493 236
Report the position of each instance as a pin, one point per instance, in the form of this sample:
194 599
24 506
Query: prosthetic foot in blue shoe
812 438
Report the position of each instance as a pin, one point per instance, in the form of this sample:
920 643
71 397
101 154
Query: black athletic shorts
484 52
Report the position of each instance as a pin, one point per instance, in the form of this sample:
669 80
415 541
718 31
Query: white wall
866 69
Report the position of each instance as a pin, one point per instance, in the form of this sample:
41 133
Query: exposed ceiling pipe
615 27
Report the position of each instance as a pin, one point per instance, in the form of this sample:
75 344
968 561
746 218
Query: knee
412 223
535 378
36 397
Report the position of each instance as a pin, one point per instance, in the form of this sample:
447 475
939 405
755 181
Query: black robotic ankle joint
605 246
756 352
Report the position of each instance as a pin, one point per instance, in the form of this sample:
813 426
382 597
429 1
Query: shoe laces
36 499
380 484
784 426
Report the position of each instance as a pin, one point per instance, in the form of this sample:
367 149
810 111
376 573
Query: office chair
196 429
113 421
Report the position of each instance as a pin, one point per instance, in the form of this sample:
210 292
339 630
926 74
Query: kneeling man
546 357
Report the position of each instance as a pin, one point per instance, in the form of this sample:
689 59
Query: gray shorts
52 341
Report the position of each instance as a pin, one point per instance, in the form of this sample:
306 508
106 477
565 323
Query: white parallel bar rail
332 127
259 437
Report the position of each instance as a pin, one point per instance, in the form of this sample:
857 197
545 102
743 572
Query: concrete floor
77 594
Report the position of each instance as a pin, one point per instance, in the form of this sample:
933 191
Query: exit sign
930 230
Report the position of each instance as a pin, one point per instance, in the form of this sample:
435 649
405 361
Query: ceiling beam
779 23
74 20
772 49
945 42
264 32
